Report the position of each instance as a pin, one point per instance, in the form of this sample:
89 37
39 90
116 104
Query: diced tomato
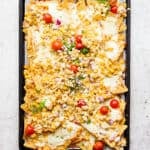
47 18
114 103
79 46
104 110
76 122
78 38
57 45
81 103
114 9
98 146
29 130
74 68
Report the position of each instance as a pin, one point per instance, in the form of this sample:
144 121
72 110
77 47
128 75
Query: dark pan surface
21 77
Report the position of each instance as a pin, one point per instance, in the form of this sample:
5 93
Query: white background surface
140 75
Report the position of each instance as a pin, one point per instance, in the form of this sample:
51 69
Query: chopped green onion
76 61
42 104
37 109
81 77
85 51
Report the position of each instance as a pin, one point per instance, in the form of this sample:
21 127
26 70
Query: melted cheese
99 131
109 26
48 103
63 134
71 16
87 144
115 49
66 16
115 114
95 65
58 14
94 129
43 53
40 144
98 32
111 82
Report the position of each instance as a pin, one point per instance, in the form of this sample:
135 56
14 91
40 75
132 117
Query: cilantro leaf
102 1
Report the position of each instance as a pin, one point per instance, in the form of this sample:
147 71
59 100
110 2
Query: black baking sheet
22 82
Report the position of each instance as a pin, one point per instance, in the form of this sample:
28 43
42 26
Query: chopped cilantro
69 46
89 121
75 83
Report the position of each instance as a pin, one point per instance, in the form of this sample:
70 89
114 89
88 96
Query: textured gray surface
140 75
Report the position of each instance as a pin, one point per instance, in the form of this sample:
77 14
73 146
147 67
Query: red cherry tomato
104 110
98 146
74 68
47 18
114 9
81 103
78 38
29 130
79 46
57 45
114 103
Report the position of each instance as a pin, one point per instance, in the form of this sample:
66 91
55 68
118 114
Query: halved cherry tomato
29 130
47 18
74 68
112 2
79 46
104 110
78 38
57 45
114 9
81 103
114 103
98 146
